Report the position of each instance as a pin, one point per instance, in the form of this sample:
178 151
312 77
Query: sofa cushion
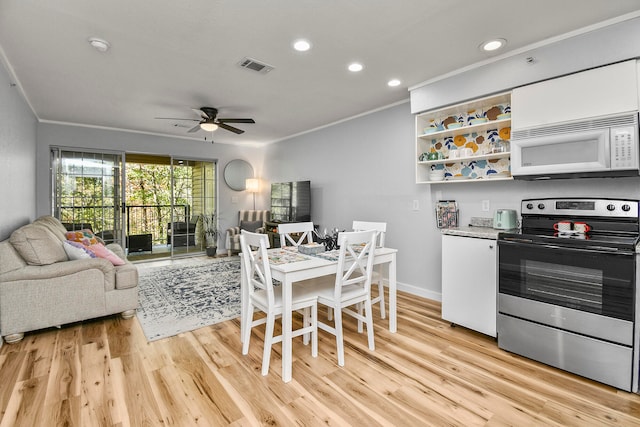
53 224
103 252
37 245
76 250
116 249
251 226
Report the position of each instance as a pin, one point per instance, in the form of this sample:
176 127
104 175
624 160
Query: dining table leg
393 315
287 316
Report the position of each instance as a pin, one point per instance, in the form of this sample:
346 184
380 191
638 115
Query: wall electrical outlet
485 206
416 205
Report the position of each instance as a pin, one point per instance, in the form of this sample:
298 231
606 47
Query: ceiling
167 57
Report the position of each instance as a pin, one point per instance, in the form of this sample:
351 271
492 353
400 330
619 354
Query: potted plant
209 232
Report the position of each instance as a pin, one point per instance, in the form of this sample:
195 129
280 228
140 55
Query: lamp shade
253 185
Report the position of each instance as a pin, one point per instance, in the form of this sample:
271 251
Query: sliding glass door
86 191
193 198
159 210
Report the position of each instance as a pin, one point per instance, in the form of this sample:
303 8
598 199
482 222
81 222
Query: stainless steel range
568 287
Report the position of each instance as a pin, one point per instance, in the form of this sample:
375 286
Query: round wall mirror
236 172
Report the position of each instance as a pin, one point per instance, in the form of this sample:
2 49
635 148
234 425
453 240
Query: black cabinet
140 243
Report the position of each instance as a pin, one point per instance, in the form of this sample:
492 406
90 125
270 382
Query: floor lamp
253 186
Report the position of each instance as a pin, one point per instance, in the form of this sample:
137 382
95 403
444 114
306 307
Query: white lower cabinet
469 282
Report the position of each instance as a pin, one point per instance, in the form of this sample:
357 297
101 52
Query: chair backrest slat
257 271
380 227
355 259
305 229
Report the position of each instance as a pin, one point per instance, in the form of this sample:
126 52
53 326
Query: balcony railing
139 219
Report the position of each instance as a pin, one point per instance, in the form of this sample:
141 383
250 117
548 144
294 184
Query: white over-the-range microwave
598 147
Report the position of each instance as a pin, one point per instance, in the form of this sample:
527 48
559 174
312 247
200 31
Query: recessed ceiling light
99 44
301 45
393 82
493 45
355 67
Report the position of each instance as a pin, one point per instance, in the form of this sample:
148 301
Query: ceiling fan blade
196 128
174 118
236 120
208 115
201 113
230 128
209 112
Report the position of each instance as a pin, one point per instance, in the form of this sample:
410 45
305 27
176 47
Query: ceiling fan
209 122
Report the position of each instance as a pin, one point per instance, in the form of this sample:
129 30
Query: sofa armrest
233 230
236 230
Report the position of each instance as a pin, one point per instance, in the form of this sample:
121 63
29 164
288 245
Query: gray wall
229 201
364 169
17 158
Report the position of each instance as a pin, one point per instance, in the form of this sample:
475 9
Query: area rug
183 297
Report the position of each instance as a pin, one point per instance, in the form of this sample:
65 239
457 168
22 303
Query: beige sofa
40 287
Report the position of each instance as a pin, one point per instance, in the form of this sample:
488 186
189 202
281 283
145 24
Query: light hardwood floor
104 373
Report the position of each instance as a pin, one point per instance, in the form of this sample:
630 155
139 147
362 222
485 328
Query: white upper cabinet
603 91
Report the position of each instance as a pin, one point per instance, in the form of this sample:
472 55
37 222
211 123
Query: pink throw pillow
103 252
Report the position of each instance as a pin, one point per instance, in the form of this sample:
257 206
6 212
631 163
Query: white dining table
289 269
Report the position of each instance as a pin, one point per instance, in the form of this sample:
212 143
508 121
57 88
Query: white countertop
477 232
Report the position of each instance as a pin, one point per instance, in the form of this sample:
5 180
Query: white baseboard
421 292
415 290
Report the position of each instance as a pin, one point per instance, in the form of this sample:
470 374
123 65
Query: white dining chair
351 286
304 229
264 296
377 277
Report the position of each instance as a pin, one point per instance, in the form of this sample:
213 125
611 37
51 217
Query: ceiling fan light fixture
208 126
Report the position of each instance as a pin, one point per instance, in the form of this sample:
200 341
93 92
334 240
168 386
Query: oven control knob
611 207
626 208
540 205
529 205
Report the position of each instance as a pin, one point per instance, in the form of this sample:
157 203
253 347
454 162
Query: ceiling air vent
252 64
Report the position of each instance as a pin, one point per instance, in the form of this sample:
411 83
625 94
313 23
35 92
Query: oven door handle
514 241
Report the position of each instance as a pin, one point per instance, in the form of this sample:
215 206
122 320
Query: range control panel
581 207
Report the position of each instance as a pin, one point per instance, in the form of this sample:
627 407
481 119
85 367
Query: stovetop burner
614 223
572 239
